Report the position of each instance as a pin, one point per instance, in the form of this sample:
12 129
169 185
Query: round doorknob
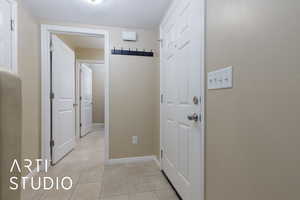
193 117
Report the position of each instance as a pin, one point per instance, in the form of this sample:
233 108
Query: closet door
5 35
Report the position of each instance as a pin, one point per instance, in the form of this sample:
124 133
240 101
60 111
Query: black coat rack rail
132 52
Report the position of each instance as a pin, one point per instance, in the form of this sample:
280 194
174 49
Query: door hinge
161 154
51 46
80 125
161 98
52 96
52 143
12 25
161 42
80 98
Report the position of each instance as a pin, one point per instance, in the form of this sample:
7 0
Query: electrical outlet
135 139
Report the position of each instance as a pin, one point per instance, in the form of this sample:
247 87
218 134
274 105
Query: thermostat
129 36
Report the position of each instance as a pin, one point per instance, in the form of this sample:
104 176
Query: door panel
5 35
63 86
182 63
86 99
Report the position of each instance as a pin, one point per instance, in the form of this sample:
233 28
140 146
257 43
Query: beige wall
29 70
252 137
98 92
65 39
10 132
134 97
89 54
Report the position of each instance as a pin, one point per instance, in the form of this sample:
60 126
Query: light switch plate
220 79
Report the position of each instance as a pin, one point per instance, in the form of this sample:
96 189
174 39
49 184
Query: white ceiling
77 41
123 13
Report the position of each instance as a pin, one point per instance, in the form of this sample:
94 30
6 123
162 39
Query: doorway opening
91 96
72 60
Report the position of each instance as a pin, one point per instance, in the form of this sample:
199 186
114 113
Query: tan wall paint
134 97
252 136
132 104
29 70
98 92
10 133
65 39
89 54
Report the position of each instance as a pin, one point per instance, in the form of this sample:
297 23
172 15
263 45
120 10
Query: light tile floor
92 180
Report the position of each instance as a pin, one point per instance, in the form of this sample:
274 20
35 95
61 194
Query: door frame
77 80
46 31
168 14
13 68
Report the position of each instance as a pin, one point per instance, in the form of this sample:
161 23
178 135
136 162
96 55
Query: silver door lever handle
193 117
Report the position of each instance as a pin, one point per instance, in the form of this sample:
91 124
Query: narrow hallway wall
252 136
29 71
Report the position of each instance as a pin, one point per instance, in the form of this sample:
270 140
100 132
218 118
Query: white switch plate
220 79
135 139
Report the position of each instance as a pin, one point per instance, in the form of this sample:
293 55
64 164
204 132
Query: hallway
92 180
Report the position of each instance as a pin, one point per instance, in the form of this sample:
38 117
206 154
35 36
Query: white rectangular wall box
129 36
220 79
135 139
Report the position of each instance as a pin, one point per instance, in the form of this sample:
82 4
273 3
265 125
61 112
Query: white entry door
182 83
63 87
86 103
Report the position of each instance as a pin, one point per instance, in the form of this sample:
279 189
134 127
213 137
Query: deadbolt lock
196 100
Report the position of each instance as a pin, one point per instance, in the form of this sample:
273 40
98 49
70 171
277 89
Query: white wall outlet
135 140
220 79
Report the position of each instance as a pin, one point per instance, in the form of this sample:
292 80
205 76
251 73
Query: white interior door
63 87
5 35
182 68
86 102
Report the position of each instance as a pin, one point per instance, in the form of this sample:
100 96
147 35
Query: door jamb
46 31
14 36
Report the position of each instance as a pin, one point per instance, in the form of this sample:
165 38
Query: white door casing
63 88
5 35
182 72
86 102
8 35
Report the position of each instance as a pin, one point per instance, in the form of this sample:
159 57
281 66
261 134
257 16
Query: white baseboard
158 163
97 126
131 160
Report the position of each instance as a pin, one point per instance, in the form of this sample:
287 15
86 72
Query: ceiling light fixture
95 1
